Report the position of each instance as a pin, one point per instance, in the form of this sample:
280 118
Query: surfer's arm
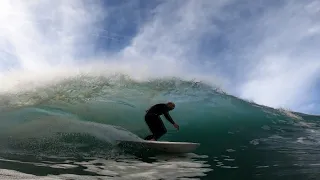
168 117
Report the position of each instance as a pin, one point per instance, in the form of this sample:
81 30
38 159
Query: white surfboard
166 146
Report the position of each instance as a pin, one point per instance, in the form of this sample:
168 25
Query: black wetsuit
154 121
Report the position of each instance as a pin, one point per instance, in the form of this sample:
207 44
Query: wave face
55 129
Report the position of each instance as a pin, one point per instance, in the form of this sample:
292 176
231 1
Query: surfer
154 121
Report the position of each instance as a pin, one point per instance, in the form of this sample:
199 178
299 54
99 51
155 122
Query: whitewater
76 76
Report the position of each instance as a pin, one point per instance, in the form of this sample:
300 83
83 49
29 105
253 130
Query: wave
85 115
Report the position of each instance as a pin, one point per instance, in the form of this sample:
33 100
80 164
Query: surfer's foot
148 138
152 139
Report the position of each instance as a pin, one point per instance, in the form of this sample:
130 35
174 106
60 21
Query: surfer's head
171 105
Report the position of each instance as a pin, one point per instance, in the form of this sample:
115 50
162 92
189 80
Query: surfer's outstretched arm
168 117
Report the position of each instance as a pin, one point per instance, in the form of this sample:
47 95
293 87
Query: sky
262 51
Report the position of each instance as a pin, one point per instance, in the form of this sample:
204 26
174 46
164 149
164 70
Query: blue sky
264 51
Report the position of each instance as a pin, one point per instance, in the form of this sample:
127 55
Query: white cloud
168 43
45 33
43 38
285 63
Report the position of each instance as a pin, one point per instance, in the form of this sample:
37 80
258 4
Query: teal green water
69 130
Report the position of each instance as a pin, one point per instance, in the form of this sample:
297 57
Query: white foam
166 167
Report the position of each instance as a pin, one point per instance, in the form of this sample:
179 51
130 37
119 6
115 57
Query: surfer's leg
156 126
159 128
149 120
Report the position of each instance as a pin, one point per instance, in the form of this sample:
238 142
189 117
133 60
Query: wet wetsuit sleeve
168 117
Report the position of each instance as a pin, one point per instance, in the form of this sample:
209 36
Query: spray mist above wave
88 88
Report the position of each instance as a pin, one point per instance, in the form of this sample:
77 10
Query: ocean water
68 130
